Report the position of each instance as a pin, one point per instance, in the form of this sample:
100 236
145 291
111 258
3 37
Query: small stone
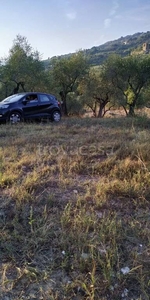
24 168
75 191
99 214
85 255
102 251
125 270
125 293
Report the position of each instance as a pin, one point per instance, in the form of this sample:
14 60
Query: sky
57 27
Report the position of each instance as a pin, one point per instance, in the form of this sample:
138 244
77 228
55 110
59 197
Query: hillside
122 46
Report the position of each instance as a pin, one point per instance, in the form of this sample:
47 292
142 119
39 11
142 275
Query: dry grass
75 210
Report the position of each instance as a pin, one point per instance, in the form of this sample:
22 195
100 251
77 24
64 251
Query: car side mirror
24 101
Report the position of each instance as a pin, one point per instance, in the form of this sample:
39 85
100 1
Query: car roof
26 93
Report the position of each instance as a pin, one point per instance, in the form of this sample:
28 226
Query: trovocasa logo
83 150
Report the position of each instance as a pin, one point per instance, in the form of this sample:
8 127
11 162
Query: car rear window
44 98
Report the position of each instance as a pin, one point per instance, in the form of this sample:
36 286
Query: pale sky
56 27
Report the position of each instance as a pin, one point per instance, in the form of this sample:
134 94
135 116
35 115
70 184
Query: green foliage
130 95
129 76
145 95
97 91
22 70
67 74
75 105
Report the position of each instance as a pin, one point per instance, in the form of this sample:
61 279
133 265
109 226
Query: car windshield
12 98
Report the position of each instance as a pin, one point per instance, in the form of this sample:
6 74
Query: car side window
32 98
44 98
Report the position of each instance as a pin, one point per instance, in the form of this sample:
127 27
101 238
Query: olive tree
129 75
97 92
67 74
23 69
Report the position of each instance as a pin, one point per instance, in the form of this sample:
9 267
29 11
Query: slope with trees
122 46
119 81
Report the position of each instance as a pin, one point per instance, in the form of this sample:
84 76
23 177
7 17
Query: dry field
75 210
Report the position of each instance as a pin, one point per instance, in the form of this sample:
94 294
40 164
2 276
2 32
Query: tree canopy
67 74
129 75
22 70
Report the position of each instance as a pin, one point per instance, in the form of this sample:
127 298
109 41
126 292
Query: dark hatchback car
29 106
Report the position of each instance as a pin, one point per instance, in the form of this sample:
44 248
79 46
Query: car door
30 106
45 104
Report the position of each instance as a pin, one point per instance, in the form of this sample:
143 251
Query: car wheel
15 117
56 116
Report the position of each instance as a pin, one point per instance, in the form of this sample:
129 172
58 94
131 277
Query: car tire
15 117
56 116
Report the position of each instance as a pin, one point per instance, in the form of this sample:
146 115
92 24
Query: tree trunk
16 89
131 111
6 90
64 104
132 106
64 107
100 113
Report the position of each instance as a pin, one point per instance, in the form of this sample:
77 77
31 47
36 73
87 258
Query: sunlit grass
74 210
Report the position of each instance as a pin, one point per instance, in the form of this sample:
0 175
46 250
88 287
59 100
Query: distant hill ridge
122 46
